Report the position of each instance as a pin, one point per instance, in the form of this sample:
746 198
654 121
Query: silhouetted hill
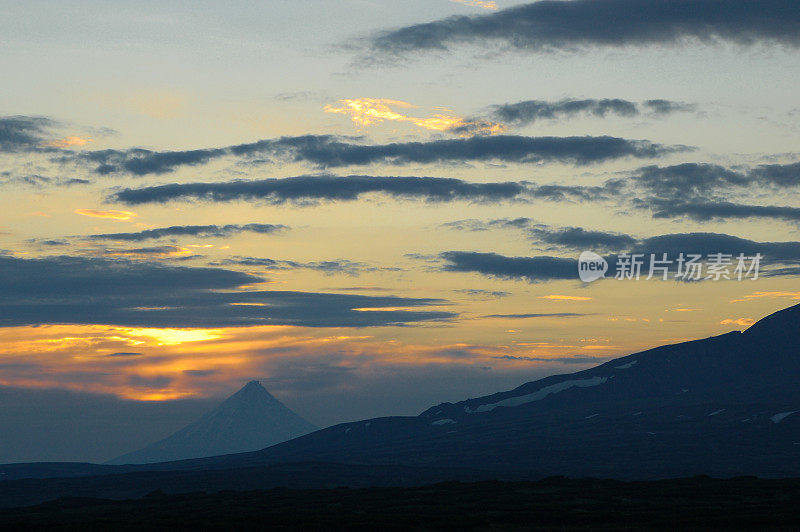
248 420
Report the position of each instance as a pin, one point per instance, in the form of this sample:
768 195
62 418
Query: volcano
248 420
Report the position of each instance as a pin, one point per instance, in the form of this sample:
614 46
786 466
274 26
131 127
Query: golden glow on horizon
366 112
110 215
176 336
149 364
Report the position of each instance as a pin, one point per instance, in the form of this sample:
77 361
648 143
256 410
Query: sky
372 206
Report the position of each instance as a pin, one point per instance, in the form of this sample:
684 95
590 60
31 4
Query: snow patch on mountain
539 394
777 418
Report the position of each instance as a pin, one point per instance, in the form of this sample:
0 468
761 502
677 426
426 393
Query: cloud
577 359
578 238
483 4
38 181
780 175
49 243
483 294
151 252
687 180
565 298
566 237
770 295
529 316
139 161
303 189
200 231
326 151
77 290
532 269
543 268
703 211
707 243
478 225
664 107
743 322
582 24
110 215
702 191
68 142
370 111
530 111
329 267
23 133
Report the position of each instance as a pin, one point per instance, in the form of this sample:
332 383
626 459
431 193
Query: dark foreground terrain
555 503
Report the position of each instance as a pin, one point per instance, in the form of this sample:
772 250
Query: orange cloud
483 4
155 252
366 112
744 322
68 142
566 298
111 215
771 295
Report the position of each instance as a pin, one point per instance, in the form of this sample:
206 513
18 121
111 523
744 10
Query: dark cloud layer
530 111
779 258
704 192
692 180
580 24
139 161
707 243
116 292
579 238
332 188
704 211
575 238
201 231
309 189
532 269
327 151
23 133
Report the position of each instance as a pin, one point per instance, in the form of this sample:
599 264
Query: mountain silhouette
725 405
248 420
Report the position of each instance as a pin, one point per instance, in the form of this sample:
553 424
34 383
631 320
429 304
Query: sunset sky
374 206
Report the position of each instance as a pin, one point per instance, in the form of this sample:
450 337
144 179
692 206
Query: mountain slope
248 420
725 405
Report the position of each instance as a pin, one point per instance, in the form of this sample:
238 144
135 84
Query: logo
591 266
